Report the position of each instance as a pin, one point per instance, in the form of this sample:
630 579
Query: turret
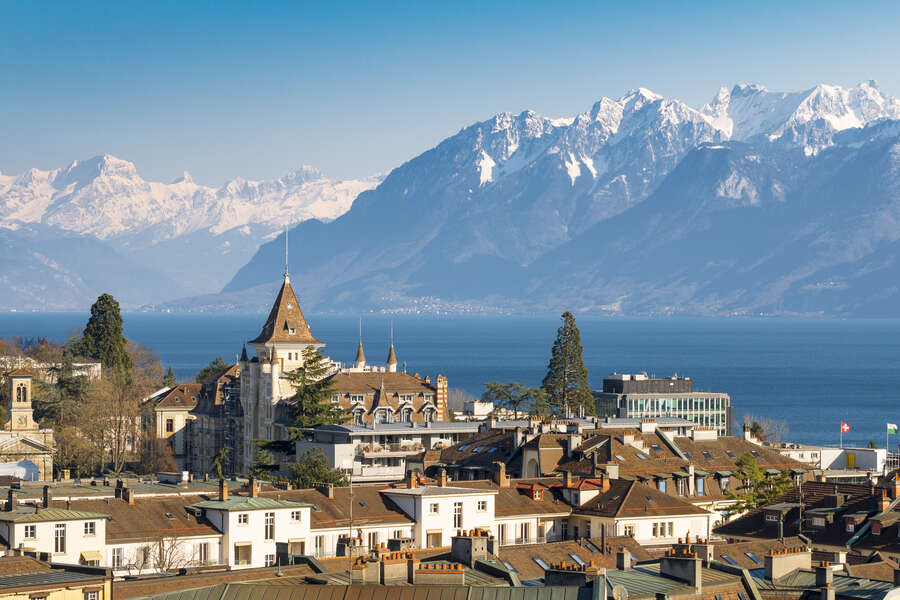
360 361
392 360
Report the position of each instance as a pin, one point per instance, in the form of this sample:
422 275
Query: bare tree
163 553
766 429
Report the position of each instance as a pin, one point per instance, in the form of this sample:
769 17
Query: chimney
568 479
883 502
824 575
500 477
598 590
10 500
623 560
684 565
47 496
254 487
896 577
128 496
223 490
612 470
411 481
442 478
827 593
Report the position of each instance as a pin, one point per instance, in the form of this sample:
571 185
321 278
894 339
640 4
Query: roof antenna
360 329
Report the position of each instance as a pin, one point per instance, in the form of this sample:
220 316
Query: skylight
754 453
728 559
620 457
641 455
510 567
478 449
753 557
463 447
707 455
577 559
729 453
491 449
687 456
742 596
656 448
541 563
170 516
592 547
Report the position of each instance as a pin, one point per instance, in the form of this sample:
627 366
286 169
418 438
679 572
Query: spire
286 322
392 356
244 357
287 277
360 357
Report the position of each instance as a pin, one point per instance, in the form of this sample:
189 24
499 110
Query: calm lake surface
811 373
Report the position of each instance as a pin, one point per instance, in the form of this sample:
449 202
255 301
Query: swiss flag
845 427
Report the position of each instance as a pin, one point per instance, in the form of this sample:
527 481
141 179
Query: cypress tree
102 338
566 382
170 380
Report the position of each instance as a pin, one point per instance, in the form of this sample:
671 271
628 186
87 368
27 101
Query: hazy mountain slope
641 204
196 234
59 270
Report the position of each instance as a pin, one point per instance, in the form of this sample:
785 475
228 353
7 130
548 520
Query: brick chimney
128 495
568 480
47 496
254 487
499 474
442 478
223 490
411 481
10 500
883 502
623 559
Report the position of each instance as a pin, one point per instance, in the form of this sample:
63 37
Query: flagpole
842 435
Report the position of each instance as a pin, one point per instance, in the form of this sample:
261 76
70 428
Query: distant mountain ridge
608 211
192 236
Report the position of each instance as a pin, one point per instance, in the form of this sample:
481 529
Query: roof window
620 457
478 449
577 559
541 563
730 453
707 455
656 448
641 455
753 557
463 447
509 566
491 449
728 559
170 516
754 453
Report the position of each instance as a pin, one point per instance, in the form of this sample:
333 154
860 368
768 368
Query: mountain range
758 202
157 241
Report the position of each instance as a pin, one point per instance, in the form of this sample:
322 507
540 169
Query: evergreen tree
312 403
756 487
102 339
220 462
566 382
170 380
263 461
312 467
215 366
59 402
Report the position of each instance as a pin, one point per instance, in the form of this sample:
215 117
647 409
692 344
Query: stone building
26 450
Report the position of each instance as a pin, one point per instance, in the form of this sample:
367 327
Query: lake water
810 373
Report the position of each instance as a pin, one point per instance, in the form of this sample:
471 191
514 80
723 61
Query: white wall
177 552
45 540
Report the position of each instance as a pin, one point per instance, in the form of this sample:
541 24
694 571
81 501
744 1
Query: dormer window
538 494
292 331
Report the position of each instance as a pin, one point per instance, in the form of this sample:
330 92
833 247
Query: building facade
26 450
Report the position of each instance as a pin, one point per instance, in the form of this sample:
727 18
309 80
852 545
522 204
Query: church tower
21 414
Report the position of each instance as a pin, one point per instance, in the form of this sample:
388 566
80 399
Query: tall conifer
103 339
312 401
566 382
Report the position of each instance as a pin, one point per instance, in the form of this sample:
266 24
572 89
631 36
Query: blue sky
227 89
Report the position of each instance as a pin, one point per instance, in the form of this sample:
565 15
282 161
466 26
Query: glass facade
705 410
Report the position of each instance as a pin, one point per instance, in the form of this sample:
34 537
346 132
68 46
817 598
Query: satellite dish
619 592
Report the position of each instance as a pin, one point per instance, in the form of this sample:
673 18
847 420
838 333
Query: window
434 508
170 425
270 526
818 521
753 557
723 483
243 519
731 454
538 494
707 455
501 533
661 485
457 515
373 540
742 596
117 557
270 560
577 559
357 398
477 449
641 455
30 532
754 453
296 516
850 527
628 530
701 485
771 518
60 538
320 546
542 564
482 506
671 528
243 554
564 529
90 528
201 553
398 534
433 539
92 595
655 529
728 559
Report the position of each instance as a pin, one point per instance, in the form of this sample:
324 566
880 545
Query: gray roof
438 491
851 587
235 503
386 428
48 577
645 580
238 591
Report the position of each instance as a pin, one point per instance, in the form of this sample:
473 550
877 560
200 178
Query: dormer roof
286 323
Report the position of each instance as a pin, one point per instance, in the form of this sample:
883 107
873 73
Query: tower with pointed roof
22 440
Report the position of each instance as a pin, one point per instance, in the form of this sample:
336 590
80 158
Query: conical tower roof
286 323
360 355
244 357
392 356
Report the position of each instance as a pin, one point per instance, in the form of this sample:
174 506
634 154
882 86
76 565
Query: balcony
390 450
362 472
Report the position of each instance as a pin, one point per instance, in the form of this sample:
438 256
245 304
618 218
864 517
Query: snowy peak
806 119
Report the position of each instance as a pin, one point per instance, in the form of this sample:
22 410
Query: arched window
429 414
22 393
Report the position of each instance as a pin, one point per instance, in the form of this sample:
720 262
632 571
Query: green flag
892 427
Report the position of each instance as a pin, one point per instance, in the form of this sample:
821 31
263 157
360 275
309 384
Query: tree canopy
756 487
312 467
170 380
566 382
102 338
513 396
215 366
312 403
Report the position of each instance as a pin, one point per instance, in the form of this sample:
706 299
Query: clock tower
21 417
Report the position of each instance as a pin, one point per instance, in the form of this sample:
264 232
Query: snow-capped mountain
194 234
475 220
